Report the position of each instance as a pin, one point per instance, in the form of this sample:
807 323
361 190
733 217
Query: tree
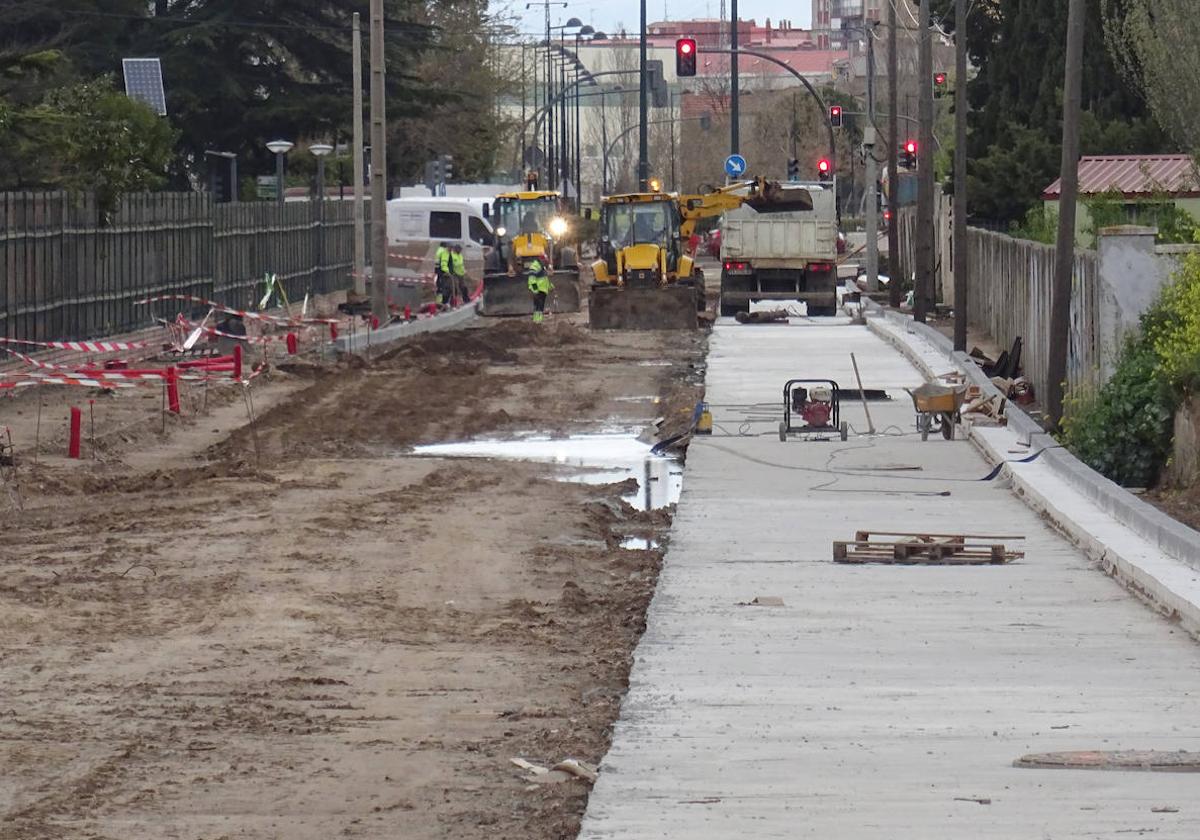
1015 99
1154 43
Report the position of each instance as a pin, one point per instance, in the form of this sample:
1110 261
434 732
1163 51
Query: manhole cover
1159 761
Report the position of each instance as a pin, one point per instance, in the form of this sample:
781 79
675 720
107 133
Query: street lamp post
279 148
643 109
320 151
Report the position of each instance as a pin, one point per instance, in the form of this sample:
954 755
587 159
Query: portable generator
816 404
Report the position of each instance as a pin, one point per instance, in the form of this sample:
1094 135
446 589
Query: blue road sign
735 165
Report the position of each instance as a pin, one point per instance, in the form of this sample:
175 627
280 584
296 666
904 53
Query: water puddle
596 459
639 544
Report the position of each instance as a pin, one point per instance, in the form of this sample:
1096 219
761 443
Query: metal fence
67 275
1009 282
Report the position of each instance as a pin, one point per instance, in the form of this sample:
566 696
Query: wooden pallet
914 549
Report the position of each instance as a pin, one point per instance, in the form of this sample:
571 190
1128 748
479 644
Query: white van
416 226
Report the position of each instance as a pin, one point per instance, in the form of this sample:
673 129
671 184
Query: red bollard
76 427
237 362
374 322
333 331
292 344
172 390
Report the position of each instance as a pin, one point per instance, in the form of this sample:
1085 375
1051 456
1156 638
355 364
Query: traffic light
939 84
685 57
908 154
793 169
824 169
835 116
447 167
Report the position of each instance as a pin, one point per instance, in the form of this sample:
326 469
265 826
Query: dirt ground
305 631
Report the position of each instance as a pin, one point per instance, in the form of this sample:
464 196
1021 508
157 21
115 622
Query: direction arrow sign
735 165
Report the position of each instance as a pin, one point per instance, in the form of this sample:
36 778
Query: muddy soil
301 630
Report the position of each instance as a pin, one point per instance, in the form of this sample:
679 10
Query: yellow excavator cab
644 279
528 224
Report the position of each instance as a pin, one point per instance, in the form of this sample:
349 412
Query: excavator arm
692 208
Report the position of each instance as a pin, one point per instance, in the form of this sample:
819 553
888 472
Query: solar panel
144 82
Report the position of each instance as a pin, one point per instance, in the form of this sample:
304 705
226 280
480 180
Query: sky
611 15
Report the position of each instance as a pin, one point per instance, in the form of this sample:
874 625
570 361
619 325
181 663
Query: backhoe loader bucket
627 308
509 295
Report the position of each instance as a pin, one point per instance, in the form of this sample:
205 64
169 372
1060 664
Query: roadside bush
1124 430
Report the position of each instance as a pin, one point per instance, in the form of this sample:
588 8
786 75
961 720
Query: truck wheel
729 310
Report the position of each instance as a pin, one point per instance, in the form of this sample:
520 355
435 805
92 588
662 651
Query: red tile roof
1134 176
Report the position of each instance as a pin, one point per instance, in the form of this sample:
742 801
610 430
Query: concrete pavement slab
879 701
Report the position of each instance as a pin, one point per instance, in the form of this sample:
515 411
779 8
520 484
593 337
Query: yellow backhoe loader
530 224
644 279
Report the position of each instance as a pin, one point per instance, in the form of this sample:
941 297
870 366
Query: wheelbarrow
938 408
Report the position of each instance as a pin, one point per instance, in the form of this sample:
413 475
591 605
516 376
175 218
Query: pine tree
1015 121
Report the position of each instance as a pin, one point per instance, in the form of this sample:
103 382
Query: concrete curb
358 341
1165 583
1166 580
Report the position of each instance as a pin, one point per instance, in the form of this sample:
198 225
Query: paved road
879 702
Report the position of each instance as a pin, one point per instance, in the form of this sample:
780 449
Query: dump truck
530 224
644 279
781 248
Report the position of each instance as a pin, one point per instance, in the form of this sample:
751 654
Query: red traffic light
911 147
685 57
835 116
939 79
823 165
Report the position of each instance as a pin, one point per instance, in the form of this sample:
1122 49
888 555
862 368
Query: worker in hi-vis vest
441 268
458 275
539 287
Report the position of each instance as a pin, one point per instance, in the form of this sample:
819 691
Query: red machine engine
815 405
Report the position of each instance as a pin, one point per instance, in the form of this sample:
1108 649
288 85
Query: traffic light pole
643 109
733 78
923 288
960 175
872 174
895 259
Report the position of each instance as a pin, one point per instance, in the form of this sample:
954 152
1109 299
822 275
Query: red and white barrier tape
249 339
84 346
241 313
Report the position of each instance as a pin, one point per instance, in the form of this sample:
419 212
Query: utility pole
379 238
895 259
960 175
733 78
1064 254
872 173
643 110
924 232
360 224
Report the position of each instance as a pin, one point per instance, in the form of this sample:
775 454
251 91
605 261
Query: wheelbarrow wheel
782 431
948 425
844 430
923 425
